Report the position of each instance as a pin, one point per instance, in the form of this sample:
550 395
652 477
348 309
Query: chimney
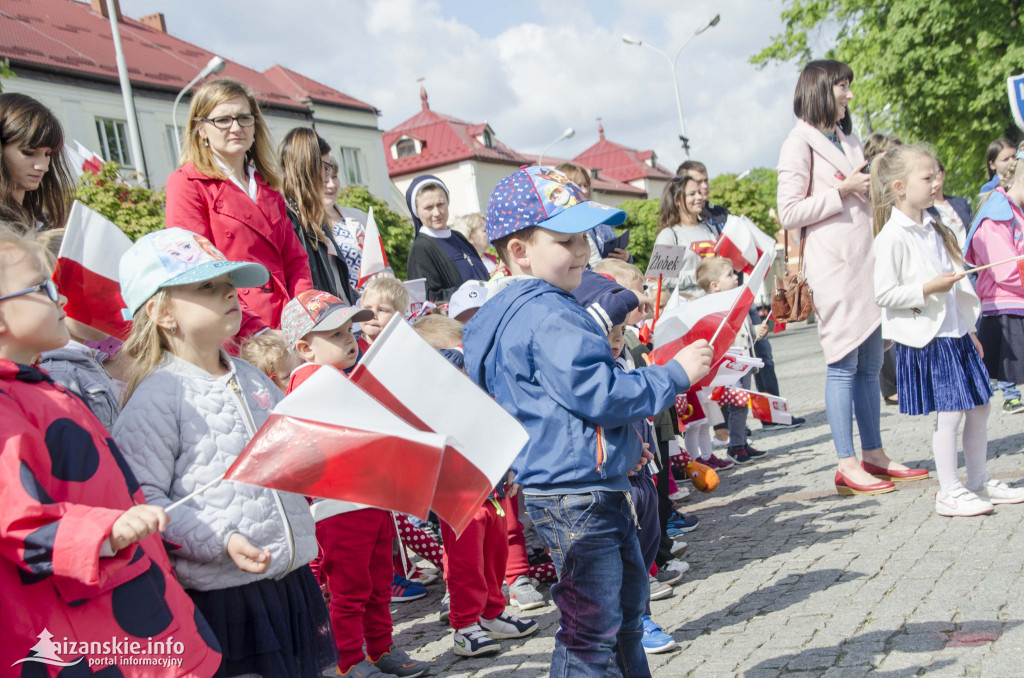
154 21
100 7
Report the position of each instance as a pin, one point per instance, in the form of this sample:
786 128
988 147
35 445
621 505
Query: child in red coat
80 558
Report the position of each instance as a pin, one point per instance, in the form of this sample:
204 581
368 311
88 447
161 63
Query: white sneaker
682 494
996 492
678 547
677 565
961 503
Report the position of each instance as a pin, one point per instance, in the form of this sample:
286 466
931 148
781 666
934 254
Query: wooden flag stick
194 493
994 263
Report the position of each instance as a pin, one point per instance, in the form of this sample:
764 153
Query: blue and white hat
174 256
542 196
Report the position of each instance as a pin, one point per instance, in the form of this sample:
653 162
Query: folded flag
734 367
330 439
769 408
743 243
484 439
374 259
86 271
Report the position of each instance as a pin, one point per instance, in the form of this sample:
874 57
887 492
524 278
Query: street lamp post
568 133
131 115
214 65
629 40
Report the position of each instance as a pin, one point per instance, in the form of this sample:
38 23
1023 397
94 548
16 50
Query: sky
530 68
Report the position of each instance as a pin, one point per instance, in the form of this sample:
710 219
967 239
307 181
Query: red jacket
243 230
63 483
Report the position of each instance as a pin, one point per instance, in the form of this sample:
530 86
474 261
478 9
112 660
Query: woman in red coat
226 191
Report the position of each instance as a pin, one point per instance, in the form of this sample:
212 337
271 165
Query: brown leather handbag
792 301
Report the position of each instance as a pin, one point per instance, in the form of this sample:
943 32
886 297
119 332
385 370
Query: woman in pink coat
226 191
823 197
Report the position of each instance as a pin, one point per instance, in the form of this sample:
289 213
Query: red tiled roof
301 87
445 140
67 37
620 162
599 183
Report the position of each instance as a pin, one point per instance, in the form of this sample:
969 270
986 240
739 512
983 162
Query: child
996 235
440 331
930 311
474 562
716 274
355 539
81 557
269 352
610 305
385 296
547 362
189 411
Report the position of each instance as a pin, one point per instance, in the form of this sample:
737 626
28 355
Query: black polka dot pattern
73 454
139 606
129 477
39 549
32 485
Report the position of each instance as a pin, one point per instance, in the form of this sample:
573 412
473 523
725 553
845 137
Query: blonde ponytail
145 345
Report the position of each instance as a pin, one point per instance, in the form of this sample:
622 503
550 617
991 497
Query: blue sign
1015 88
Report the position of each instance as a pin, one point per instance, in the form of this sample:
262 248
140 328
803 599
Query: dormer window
595 173
653 160
487 139
406 146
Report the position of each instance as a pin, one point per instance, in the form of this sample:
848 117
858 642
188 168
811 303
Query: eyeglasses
47 286
225 121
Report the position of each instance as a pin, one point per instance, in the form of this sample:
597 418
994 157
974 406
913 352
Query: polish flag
81 159
716 317
330 439
87 274
374 259
733 368
743 243
771 409
484 439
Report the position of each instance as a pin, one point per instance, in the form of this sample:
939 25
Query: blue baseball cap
543 196
174 256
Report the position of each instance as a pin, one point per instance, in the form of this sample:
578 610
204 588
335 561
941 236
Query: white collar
903 220
440 233
252 189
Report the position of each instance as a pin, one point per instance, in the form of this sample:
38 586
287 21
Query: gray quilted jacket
79 369
182 428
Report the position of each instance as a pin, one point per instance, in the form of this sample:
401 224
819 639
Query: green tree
752 196
136 210
5 72
395 230
927 71
642 217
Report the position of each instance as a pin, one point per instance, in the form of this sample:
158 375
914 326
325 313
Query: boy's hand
247 557
645 456
762 331
696 360
136 524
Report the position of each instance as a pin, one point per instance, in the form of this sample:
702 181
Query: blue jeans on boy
602 587
1009 389
851 387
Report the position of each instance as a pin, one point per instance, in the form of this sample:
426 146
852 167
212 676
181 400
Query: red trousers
474 565
357 562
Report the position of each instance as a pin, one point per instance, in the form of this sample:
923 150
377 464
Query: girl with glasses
227 190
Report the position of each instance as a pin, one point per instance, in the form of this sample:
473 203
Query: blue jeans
851 387
602 587
1009 390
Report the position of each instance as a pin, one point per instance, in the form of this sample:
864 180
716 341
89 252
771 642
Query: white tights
975 440
697 439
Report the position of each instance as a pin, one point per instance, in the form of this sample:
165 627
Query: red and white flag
716 317
374 259
743 243
330 439
81 159
484 439
769 408
87 274
734 367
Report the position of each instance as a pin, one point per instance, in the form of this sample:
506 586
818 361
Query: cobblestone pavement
787 578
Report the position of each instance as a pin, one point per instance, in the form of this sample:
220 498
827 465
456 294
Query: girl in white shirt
929 310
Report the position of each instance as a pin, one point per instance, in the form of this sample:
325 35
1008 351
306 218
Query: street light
629 40
213 66
568 133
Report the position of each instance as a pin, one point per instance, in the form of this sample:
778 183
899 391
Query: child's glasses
48 286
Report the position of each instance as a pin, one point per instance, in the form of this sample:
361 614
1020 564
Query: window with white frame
351 166
405 148
114 141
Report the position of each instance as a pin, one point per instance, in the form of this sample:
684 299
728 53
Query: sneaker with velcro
473 641
507 625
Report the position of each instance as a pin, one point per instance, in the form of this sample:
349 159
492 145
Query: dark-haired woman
36 188
823 197
679 224
305 166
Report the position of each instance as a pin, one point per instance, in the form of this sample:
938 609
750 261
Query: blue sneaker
656 641
403 590
683 523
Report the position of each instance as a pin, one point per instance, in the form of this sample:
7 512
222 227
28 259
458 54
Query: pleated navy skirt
271 627
947 375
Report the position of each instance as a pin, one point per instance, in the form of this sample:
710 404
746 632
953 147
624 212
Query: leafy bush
642 217
395 230
136 210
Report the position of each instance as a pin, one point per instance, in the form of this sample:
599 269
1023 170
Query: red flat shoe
895 475
846 486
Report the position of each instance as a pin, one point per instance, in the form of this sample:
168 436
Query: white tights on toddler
975 440
697 440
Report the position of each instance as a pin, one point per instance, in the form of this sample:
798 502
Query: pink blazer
838 260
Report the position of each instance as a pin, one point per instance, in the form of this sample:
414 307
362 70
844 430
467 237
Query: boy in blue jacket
546 361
